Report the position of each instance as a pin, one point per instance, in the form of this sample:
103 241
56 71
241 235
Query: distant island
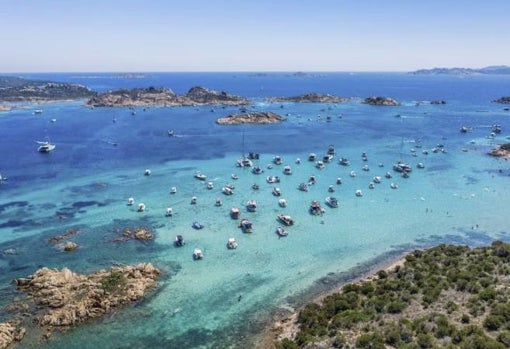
491 70
503 100
15 89
157 96
310 98
250 118
380 101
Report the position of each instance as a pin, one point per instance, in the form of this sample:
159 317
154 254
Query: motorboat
193 200
331 149
496 129
38 111
147 172
255 186
339 180
179 241
358 193
45 147
393 185
287 170
196 225
169 212
344 162
234 213
253 156
227 190
230 185
388 175
365 168
173 190
303 187
131 201
141 207
364 156
273 179
277 160
420 165
277 191
251 205
210 185
352 174
311 180
197 254
170 133
331 189
199 175
298 161
319 164
218 202
285 219
246 225
281 232
327 158
232 244
312 157
234 176
371 185
244 162
315 208
402 167
282 203
257 170
377 179
332 201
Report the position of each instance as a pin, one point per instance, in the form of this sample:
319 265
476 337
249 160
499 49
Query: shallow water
459 197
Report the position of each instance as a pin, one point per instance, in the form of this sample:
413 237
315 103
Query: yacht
257 170
170 133
251 205
277 191
197 254
232 244
344 162
331 189
365 168
282 203
210 185
141 207
131 201
169 212
179 241
377 179
420 165
331 149
218 202
327 158
393 185
45 147
246 225
281 232
244 162
358 193
277 160
285 219
196 225
199 175
147 172
402 167
332 201
234 176
312 157
193 200
315 208
303 187
339 180
234 213
173 190
273 179
287 170
227 190
319 164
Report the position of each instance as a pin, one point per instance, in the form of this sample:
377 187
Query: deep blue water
99 163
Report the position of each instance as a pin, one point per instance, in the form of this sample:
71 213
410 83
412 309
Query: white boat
327 158
199 175
331 189
371 185
344 162
246 225
147 172
339 180
131 201
312 157
273 179
45 147
193 200
170 133
196 225
251 205
420 165
331 149
377 179
277 191
287 170
197 254
232 244
303 187
169 212
281 232
277 160
402 167
141 207
210 185
234 213
319 164
393 185
173 190
282 203
218 202
298 161
234 176
388 175
179 241
38 111
332 201
315 208
358 193
257 170
285 219
227 190
352 174
365 168
244 162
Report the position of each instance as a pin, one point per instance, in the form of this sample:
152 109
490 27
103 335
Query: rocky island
381 101
310 98
502 151
503 100
62 298
490 70
15 89
250 118
156 96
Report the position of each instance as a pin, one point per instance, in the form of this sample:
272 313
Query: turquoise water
221 301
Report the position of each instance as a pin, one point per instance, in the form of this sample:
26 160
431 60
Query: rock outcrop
10 333
250 118
384 101
152 96
310 98
65 298
503 100
502 151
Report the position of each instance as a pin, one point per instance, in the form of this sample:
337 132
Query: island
490 70
159 96
503 100
262 117
444 297
380 101
16 89
61 298
502 151
310 98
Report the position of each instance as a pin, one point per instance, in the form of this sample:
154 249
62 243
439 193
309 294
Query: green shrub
286 344
493 322
112 281
370 341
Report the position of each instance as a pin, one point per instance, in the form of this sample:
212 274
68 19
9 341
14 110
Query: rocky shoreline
310 98
152 96
250 118
502 151
61 298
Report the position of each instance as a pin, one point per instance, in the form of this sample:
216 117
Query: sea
225 300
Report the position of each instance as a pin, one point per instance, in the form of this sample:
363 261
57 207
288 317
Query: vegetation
15 89
444 297
112 281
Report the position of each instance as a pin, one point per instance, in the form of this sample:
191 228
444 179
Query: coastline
283 324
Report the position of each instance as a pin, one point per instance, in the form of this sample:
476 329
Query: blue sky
243 35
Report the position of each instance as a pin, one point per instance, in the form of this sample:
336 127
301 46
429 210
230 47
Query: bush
286 344
493 322
370 341
112 281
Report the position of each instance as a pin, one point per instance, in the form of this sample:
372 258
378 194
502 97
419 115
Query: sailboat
244 161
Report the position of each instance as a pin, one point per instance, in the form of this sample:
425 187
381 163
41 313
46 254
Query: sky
246 35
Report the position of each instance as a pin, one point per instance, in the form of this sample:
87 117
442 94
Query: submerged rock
250 118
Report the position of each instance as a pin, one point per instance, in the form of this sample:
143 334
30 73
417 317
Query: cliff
14 89
153 96
250 118
310 98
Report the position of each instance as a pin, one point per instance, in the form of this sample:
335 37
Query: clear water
461 196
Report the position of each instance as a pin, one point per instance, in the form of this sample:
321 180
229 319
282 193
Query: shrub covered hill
444 297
